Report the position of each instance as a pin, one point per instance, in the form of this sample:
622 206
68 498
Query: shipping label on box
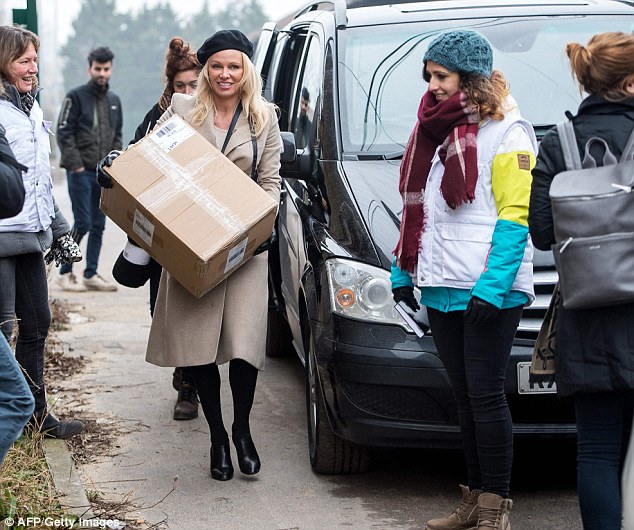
187 205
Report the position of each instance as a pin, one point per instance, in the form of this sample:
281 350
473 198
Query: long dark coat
229 321
595 346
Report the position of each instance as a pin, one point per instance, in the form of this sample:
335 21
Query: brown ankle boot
493 512
186 407
464 517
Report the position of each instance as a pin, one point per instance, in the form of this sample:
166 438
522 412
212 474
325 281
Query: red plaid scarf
455 126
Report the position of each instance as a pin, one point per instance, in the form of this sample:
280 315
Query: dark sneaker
186 407
51 427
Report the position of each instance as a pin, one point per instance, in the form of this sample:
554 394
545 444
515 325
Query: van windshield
381 84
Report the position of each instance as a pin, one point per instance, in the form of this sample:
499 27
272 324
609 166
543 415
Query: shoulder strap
568 142
232 125
254 145
628 151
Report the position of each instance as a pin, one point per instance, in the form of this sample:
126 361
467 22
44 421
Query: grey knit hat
462 51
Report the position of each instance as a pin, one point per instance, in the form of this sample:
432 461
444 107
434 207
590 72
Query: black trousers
476 359
24 294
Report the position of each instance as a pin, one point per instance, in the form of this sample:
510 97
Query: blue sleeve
504 260
400 278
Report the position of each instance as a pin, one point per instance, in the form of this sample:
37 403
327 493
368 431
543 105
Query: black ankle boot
51 427
248 458
221 466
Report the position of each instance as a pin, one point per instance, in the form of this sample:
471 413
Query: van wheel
279 339
328 453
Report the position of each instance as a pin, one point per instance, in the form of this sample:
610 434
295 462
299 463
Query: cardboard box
188 206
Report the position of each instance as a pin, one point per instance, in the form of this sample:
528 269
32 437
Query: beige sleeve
269 164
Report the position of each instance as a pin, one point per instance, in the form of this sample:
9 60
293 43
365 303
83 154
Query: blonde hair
486 95
14 41
605 66
249 89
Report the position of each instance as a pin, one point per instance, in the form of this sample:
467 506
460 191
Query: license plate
524 386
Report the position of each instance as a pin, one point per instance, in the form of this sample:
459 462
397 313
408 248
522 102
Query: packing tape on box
180 179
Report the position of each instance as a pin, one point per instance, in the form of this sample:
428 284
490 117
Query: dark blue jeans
603 424
16 400
85 192
476 359
24 295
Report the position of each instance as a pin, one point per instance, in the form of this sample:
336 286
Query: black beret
225 39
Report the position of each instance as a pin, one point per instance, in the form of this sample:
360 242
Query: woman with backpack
595 346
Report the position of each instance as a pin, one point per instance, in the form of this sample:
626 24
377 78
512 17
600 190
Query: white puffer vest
28 137
456 242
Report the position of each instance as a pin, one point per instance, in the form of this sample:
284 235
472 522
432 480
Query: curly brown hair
179 58
486 95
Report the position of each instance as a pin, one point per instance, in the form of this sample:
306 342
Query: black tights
476 359
242 378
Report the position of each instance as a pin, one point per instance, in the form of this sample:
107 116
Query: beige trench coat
229 321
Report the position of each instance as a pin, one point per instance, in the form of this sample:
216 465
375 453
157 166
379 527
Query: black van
348 82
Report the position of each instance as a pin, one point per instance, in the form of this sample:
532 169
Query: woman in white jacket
40 224
465 180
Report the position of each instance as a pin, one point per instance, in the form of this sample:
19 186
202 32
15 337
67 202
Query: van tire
329 454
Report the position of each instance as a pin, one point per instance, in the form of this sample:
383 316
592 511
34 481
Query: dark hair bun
179 57
176 45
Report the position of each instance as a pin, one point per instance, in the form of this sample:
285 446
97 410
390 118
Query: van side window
307 94
287 64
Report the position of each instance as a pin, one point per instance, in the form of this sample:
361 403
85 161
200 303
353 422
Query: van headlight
362 292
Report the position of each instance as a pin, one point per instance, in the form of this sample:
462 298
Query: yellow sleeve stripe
511 176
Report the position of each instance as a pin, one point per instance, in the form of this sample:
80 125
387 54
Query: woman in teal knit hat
465 180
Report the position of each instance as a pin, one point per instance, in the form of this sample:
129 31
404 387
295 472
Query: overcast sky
275 9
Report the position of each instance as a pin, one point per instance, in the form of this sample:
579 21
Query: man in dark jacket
304 123
89 127
16 399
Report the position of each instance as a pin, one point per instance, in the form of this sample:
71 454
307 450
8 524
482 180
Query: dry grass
26 484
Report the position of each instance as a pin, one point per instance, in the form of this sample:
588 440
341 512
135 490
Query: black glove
103 178
406 294
267 244
263 247
480 312
63 250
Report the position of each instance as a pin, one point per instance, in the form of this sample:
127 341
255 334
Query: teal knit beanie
462 51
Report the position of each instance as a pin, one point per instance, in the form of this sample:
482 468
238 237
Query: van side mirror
289 150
